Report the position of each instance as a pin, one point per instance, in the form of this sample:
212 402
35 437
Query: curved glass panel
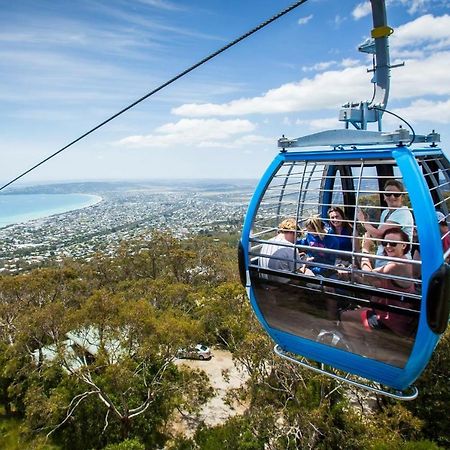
330 257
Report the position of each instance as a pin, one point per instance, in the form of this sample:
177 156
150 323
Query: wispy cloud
243 142
72 36
124 15
424 75
325 123
60 78
361 10
339 20
324 65
350 62
433 112
412 6
421 36
196 133
162 4
305 20
319 67
324 90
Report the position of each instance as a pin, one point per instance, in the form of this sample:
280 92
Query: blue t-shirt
314 241
344 239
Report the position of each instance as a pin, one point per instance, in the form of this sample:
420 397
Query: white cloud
339 20
401 54
325 90
421 35
241 142
425 74
349 62
414 5
195 132
326 123
319 67
424 111
161 4
305 20
362 10
145 23
420 78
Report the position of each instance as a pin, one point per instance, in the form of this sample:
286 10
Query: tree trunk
126 427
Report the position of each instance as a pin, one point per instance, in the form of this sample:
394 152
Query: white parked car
200 351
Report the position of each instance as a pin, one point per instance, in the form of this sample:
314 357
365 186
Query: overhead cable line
162 86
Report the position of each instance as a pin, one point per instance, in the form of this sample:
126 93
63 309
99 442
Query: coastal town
126 212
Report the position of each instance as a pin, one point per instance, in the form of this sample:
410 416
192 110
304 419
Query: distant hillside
91 187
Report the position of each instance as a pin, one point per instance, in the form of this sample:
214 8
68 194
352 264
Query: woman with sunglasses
356 324
396 214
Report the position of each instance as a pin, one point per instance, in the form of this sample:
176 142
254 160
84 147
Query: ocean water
24 207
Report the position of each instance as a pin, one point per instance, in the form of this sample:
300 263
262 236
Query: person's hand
361 216
367 242
343 275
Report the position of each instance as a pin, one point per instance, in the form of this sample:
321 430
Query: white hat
440 217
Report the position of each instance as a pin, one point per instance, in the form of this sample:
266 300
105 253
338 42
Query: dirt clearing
215 411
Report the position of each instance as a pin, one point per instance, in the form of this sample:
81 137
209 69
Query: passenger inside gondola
341 228
445 233
317 239
396 214
415 256
279 253
445 239
359 326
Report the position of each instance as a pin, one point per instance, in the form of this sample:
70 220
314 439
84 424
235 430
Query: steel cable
162 86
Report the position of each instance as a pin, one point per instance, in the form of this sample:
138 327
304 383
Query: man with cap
279 252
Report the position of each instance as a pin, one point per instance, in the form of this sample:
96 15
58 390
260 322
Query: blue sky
67 65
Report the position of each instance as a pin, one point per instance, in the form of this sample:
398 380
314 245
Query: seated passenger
317 238
445 234
445 239
415 254
396 214
342 229
279 253
396 245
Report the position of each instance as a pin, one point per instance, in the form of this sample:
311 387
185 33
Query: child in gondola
317 239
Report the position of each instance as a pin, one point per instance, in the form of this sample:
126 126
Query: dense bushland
135 310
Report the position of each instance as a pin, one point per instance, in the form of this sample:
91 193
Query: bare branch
147 402
101 395
71 408
106 421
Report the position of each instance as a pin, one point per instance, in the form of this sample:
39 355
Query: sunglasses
391 244
395 194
